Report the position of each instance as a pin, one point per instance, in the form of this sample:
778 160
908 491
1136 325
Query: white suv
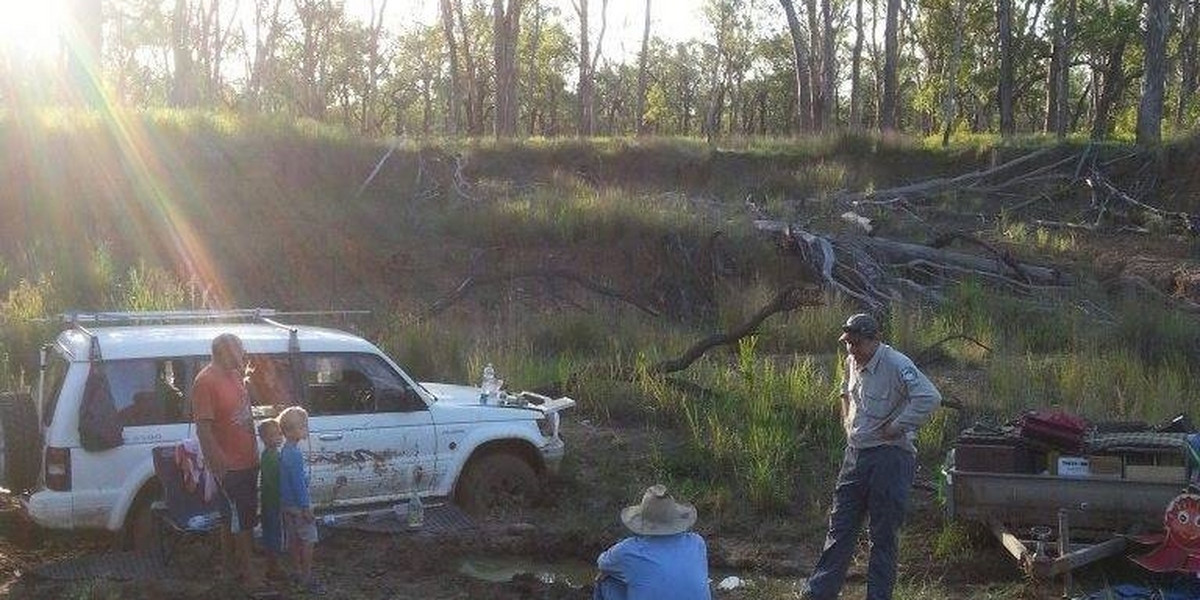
376 436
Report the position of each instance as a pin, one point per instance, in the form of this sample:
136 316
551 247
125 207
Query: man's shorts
241 488
297 528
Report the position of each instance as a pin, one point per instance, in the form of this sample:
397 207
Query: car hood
461 402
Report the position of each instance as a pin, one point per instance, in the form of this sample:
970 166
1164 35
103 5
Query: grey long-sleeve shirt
889 387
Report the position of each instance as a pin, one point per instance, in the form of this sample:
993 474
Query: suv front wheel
498 485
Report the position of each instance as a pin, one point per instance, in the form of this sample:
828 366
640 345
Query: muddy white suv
113 386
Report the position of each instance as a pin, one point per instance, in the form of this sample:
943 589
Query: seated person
663 560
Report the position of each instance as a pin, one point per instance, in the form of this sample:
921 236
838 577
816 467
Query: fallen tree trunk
877 272
893 252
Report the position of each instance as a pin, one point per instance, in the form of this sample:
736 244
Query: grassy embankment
169 210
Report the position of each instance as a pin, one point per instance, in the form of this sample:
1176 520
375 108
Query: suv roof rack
265 315
164 316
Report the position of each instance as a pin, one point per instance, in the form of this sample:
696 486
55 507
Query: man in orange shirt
225 426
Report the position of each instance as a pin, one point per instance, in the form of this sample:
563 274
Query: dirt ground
578 522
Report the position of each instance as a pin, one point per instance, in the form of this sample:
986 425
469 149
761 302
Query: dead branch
788 299
1185 219
1092 227
927 356
472 281
1005 257
460 181
930 186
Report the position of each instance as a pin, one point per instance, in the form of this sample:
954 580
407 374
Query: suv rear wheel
498 485
20 442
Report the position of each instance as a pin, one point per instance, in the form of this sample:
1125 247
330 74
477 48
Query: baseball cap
861 325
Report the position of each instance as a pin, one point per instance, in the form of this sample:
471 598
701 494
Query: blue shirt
657 567
293 478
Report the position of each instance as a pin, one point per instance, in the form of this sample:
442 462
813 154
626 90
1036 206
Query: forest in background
1101 69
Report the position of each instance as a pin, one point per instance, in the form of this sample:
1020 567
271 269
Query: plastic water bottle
416 511
489 386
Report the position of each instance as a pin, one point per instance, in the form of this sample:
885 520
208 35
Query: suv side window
145 391
270 383
339 384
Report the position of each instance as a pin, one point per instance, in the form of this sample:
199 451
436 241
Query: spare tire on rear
20 442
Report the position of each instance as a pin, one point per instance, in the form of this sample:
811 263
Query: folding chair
182 513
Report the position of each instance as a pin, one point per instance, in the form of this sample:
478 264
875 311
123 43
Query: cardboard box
1106 466
1156 473
1073 466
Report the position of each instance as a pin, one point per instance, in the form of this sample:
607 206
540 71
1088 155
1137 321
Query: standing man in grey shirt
885 399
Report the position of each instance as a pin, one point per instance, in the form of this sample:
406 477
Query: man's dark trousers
873 482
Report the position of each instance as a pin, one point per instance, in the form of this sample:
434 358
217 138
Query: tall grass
756 423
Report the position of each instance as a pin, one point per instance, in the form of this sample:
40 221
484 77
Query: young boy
299 525
268 502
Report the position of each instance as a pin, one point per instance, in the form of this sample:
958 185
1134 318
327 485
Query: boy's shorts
272 530
296 528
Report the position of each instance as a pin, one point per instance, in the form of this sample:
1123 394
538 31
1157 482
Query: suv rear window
56 374
150 391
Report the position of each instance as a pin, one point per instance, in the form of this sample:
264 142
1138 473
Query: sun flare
31 31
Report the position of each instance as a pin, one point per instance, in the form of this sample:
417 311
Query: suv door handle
329 437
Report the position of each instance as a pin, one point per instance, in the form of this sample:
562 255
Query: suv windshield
56 373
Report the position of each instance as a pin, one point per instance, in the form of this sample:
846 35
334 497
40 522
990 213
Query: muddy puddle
502 569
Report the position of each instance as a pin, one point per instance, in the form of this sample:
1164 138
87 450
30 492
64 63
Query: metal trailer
1053 524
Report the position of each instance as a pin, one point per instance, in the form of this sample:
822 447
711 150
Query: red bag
1055 430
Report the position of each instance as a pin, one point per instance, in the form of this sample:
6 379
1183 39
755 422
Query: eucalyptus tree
506 27
856 112
137 55
1106 29
730 56
415 77
1150 110
268 27
454 87
1189 59
587 63
374 63
548 50
309 54
802 74
1004 38
891 60
642 73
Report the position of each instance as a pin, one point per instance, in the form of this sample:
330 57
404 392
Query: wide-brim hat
658 514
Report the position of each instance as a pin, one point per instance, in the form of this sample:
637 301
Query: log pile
876 272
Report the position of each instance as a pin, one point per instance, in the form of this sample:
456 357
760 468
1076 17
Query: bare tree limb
926 355
788 299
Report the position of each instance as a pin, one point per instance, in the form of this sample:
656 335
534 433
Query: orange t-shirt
220 397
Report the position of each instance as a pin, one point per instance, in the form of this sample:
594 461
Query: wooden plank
1011 543
1087 555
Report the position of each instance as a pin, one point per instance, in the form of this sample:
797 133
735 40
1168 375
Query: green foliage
1156 336
953 541
752 430
152 289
